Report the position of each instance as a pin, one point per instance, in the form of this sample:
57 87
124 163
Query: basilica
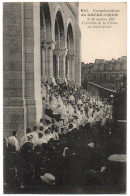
41 43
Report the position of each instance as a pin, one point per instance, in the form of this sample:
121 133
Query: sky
103 43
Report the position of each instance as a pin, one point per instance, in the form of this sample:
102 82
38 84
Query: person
34 133
43 93
41 128
47 136
28 137
53 133
71 97
79 101
40 140
40 123
90 111
12 140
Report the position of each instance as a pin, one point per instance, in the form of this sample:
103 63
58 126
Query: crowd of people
72 153
75 104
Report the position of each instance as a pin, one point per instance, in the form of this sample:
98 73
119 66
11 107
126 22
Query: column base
43 79
71 80
57 80
51 79
63 80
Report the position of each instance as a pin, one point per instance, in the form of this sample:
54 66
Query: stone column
50 45
43 60
68 66
63 53
72 69
13 91
73 66
78 54
57 53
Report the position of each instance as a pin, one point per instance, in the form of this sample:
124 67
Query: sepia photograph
64 97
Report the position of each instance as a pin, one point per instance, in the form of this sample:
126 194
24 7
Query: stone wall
21 66
12 68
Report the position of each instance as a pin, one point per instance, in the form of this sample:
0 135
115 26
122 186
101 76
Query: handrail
96 85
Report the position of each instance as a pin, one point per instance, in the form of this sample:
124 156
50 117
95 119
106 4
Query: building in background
108 74
41 42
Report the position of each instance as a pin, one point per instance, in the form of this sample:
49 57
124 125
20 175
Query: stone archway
47 45
45 21
60 50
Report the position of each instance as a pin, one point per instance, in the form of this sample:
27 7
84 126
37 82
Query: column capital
68 55
63 51
57 52
50 45
73 54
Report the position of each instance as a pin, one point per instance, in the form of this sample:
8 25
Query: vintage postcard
64 97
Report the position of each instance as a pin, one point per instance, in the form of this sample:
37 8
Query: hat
117 158
91 145
48 178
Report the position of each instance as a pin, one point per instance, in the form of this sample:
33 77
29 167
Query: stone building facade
108 74
41 42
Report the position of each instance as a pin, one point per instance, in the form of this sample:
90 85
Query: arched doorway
59 31
46 39
70 61
59 46
45 21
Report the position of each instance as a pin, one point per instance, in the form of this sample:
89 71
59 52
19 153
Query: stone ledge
30 102
13 101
